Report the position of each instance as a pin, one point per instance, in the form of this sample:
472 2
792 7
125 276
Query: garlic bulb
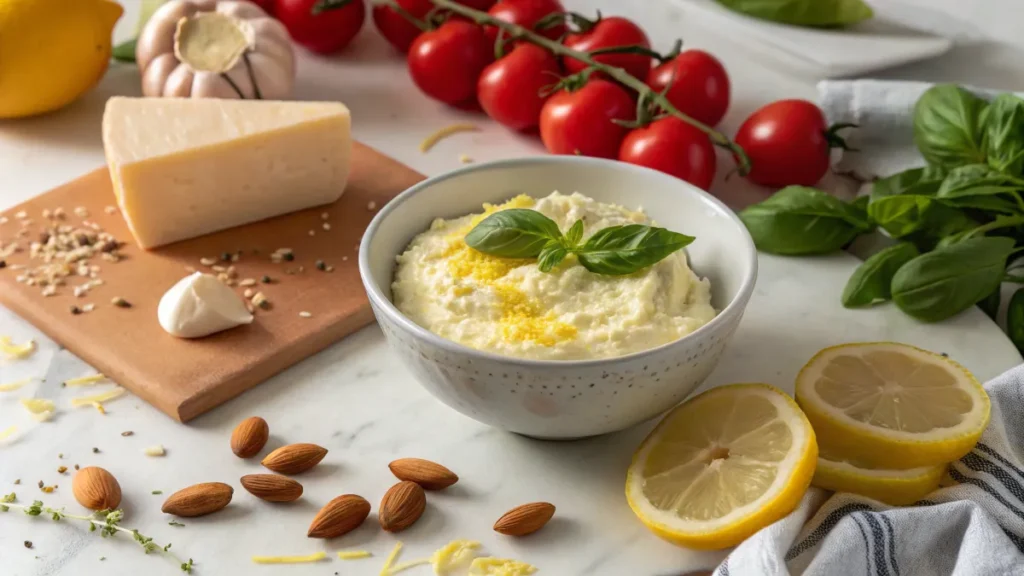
215 49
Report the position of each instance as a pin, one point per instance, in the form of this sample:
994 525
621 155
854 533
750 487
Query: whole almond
429 475
198 500
249 437
294 458
340 516
401 506
525 519
271 487
96 489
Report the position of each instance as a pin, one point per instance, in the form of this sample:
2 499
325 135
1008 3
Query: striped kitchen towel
974 527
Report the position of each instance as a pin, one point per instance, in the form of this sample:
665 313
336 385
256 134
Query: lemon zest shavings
390 560
17 351
12 386
84 381
488 566
7 433
41 409
445 132
353 554
100 398
453 555
289 559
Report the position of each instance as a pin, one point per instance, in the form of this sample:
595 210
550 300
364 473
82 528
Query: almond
294 458
198 500
401 506
340 516
525 519
429 475
249 437
271 487
96 489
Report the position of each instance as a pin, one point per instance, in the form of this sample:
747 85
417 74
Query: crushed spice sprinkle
62 469
120 302
327 225
127 433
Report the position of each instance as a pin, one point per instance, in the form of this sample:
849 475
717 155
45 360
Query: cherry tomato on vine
325 32
398 31
788 143
580 122
509 90
697 85
445 63
608 33
674 147
526 13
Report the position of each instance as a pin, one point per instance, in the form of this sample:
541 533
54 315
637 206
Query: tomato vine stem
614 72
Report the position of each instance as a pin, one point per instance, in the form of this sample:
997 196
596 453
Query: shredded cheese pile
16 351
455 555
289 559
500 567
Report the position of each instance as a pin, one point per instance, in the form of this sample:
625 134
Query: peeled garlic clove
200 305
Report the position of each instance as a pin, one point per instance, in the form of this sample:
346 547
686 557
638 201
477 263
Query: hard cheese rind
184 167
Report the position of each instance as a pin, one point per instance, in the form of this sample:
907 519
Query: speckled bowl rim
384 304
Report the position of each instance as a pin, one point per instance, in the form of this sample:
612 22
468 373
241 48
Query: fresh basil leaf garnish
514 233
620 250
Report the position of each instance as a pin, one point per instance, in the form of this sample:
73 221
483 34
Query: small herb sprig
107 521
612 251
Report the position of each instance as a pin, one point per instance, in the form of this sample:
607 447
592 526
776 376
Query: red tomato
445 63
698 85
526 13
399 31
788 143
674 147
609 32
580 122
326 32
509 89
267 5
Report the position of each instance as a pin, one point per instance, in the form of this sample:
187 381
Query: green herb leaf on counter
903 215
812 13
616 250
799 220
514 233
621 250
1004 139
949 126
950 279
872 281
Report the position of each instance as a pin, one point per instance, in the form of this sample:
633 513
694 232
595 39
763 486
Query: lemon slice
895 487
722 465
891 405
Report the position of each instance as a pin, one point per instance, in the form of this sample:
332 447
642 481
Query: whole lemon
51 52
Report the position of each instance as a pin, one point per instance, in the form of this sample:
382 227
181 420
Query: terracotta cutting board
185 378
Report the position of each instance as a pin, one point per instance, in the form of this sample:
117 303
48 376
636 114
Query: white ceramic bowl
563 399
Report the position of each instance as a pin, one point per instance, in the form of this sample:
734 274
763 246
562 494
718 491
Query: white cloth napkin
973 528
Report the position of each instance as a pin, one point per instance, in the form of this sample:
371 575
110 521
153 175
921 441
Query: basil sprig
960 218
612 251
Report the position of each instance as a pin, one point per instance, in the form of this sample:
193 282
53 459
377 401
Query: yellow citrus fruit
895 487
722 465
893 406
51 52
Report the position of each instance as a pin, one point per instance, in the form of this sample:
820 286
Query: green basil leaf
949 126
798 220
513 233
921 181
871 282
550 256
950 279
1004 131
620 250
990 304
978 180
813 13
574 235
1003 204
903 215
1015 319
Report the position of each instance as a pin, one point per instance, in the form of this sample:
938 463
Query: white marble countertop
355 400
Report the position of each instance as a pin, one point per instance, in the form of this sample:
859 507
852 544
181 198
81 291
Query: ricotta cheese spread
509 307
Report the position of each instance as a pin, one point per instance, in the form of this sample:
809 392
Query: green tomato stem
614 72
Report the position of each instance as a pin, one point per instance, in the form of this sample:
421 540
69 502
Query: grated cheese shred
85 380
41 409
289 559
100 398
445 132
354 554
12 386
17 351
5 434
500 567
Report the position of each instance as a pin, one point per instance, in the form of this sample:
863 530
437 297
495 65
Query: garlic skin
200 305
265 68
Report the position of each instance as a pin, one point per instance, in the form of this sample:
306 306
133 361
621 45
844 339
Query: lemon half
891 405
722 465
